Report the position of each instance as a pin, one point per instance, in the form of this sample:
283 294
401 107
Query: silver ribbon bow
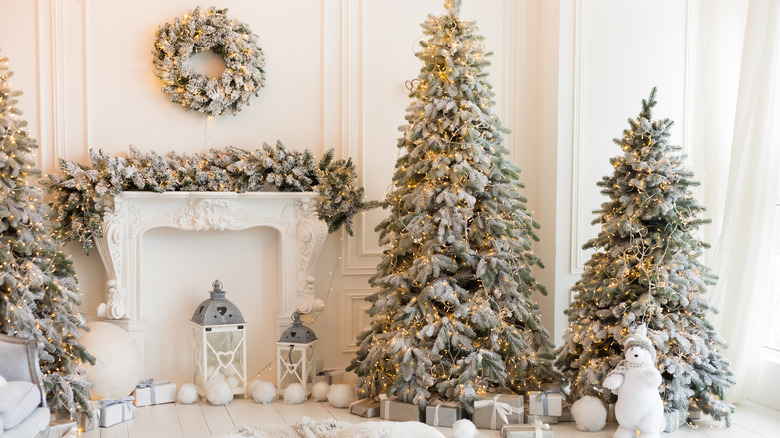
499 408
145 384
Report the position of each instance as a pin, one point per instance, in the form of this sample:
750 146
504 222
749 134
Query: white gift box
147 393
547 403
673 419
116 411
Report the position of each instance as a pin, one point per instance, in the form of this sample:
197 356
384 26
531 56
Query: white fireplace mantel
292 214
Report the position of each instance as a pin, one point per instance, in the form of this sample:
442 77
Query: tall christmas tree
646 269
454 313
38 291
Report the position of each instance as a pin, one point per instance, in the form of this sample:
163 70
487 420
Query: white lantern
219 342
295 356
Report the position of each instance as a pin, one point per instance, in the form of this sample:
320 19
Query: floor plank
191 421
142 425
161 420
293 413
217 418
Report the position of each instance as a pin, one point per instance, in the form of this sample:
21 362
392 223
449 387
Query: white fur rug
308 428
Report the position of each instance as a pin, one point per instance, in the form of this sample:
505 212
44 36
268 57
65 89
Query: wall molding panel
604 97
356 317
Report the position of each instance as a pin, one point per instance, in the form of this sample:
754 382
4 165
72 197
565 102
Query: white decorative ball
233 381
464 429
188 394
589 414
262 391
3 381
341 395
294 394
319 391
117 366
218 392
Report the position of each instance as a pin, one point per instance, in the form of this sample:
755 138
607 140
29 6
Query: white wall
567 75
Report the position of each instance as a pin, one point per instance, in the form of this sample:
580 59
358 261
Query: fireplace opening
177 270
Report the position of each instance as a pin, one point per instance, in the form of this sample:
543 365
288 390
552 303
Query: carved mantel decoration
292 214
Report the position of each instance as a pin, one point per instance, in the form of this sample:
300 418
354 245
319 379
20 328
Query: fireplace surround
301 235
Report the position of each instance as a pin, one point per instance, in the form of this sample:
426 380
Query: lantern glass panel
295 365
217 350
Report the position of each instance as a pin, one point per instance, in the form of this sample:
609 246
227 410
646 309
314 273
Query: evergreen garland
84 193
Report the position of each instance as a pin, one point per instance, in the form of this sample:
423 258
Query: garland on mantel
83 194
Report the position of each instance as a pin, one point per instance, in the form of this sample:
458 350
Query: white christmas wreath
196 32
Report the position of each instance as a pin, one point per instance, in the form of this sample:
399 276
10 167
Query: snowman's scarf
625 365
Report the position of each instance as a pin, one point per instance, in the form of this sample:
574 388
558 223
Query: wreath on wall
198 31
85 193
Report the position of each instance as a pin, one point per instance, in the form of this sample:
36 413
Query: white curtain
744 201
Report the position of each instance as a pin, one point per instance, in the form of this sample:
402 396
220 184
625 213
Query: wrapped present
396 410
537 429
116 411
694 413
148 393
548 403
332 377
60 429
673 419
492 411
549 419
366 408
89 422
444 414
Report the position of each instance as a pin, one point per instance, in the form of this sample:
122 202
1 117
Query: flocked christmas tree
647 269
454 313
38 290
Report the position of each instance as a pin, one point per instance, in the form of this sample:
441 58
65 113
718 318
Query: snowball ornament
218 391
589 414
319 391
188 394
341 395
639 409
464 429
117 366
262 391
294 394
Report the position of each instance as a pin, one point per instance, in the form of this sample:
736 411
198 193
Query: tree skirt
308 428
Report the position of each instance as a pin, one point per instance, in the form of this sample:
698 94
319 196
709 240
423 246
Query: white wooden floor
204 421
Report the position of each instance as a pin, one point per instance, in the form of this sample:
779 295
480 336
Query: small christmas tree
646 269
38 291
454 313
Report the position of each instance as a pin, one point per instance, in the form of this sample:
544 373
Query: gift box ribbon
126 402
382 399
439 404
538 426
542 397
499 408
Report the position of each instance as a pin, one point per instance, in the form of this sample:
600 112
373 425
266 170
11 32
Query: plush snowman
639 409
